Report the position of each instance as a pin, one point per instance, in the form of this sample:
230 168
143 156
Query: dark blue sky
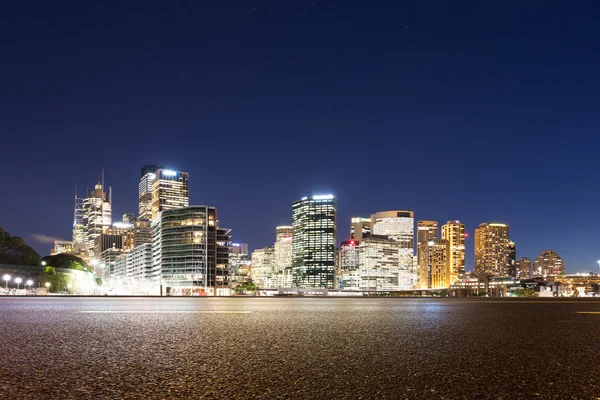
478 111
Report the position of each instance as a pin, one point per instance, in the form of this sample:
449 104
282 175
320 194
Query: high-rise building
525 268
512 260
492 252
454 233
349 255
435 260
379 266
96 216
427 231
79 229
399 226
170 191
142 232
548 263
313 247
148 173
124 229
283 231
106 241
239 263
188 249
263 267
360 228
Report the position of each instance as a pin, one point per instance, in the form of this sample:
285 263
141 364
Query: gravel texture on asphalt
298 348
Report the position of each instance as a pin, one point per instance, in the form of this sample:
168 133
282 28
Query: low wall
82 282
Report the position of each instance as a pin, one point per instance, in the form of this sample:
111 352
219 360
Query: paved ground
266 348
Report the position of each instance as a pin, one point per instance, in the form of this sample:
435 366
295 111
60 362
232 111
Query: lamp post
6 279
69 286
598 264
29 282
48 286
43 263
18 280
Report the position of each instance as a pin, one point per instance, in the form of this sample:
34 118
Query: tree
13 250
67 261
99 281
246 288
58 281
524 292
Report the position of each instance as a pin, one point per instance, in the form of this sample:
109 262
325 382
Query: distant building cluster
173 248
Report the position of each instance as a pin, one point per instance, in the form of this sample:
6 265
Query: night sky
475 110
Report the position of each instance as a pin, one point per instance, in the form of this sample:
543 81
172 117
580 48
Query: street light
44 263
69 286
598 263
48 286
18 280
29 282
6 278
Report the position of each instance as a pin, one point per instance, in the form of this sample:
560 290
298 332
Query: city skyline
269 102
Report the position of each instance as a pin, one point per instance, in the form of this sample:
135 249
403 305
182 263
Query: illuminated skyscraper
190 252
435 259
349 253
525 268
96 216
170 191
313 247
492 252
512 259
283 231
426 231
548 263
263 267
399 226
454 233
360 228
148 174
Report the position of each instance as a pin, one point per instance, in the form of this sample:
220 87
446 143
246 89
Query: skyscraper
454 233
492 250
313 247
283 231
512 259
96 216
170 190
263 267
360 228
525 268
426 231
548 263
435 259
349 255
188 249
148 173
398 225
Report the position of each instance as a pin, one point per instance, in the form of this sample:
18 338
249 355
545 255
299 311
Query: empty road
298 348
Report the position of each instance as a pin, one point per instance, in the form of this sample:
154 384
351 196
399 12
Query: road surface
294 348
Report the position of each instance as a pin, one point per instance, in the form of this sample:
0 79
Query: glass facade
190 251
314 243
148 174
170 190
263 267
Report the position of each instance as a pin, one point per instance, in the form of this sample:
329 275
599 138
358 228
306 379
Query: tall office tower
125 230
263 266
187 250
283 231
96 216
379 265
142 232
222 272
525 268
454 233
313 247
492 250
360 228
427 231
435 260
349 255
239 262
170 190
512 260
148 173
400 227
548 263
79 231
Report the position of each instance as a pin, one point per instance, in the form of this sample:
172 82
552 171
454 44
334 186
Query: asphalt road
270 348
